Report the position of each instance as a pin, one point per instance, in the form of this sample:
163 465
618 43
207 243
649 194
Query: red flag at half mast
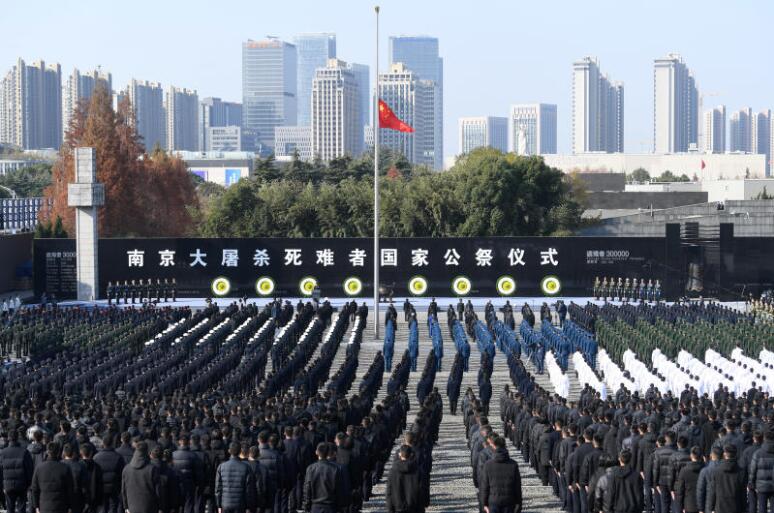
388 119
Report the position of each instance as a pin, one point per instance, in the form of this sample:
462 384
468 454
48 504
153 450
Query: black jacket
680 458
624 494
662 465
324 485
188 466
501 481
52 487
686 487
141 486
404 491
233 481
274 462
112 465
16 468
645 449
762 469
726 492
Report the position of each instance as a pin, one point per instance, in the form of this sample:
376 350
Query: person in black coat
726 492
141 483
52 484
16 468
324 487
275 463
500 482
686 483
112 465
233 481
404 492
625 493
189 468
761 478
93 492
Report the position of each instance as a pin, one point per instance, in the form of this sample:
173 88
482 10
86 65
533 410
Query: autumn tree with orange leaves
145 195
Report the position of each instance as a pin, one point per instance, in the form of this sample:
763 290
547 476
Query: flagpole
375 124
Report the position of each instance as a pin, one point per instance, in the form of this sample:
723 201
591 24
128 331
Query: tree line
486 193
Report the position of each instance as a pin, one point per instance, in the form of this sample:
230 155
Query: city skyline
484 85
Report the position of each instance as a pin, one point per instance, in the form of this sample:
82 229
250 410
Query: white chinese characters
419 257
136 258
548 257
292 256
230 258
261 258
167 258
198 258
325 257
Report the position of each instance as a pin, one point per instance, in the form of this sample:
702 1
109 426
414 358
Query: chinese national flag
388 119
703 165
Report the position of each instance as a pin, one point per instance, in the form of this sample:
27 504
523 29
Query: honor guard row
144 291
626 289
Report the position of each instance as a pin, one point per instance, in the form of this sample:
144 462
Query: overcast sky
495 53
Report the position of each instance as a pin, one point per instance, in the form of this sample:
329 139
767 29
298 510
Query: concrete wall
599 182
15 251
644 200
750 219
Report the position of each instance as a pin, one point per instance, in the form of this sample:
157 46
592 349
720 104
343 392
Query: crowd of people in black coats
161 410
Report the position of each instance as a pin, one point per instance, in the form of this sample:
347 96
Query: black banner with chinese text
519 266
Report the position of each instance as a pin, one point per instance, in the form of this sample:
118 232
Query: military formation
141 291
625 289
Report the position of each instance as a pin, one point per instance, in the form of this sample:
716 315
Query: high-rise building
761 135
532 129
293 140
214 112
597 109
31 110
715 130
182 107
483 131
268 89
336 128
421 56
147 102
740 131
675 106
413 101
313 52
223 138
80 86
362 75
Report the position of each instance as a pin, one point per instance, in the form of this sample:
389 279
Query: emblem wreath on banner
417 285
550 285
462 285
221 286
353 286
306 285
506 285
264 286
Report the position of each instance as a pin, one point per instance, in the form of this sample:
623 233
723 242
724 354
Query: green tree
639 175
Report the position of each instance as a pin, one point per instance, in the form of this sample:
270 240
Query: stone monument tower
85 195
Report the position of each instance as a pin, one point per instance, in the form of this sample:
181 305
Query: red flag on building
703 165
388 119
